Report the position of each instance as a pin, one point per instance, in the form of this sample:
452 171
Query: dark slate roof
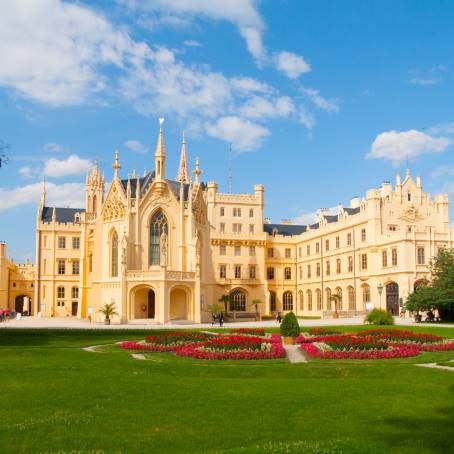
314 226
62 214
284 229
331 218
146 181
352 210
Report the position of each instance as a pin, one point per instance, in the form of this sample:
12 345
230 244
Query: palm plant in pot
337 299
225 300
290 328
256 304
108 310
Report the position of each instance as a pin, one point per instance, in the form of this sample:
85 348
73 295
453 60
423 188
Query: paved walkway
436 366
295 354
75 323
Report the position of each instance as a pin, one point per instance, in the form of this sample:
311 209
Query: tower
183 170
94 190
160 162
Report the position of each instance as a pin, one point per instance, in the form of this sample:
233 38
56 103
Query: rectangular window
270 252
90 263
350 264
338 266
237 250
363 261
76 242
45 266
251 228
45 241
237 212
222 249
252 271
252 251
61 266
317 247
349 239
270 273
337 242
236 228
222 227
222 272
326 245
328 268
308 249
421 256
237 271
60 292
75 293
394 257
287 273
299 252
318 270
222 211
384 258
75 266
251 212
392 228
363 234
308 271
300 272
288 252
61 242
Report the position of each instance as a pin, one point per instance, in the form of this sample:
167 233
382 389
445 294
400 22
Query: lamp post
380 290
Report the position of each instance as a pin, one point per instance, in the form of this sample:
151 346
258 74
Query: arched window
114 254
318 298
309 300
351 298
158 226
328 299
238 300
338 302
366 294
288 301
301 298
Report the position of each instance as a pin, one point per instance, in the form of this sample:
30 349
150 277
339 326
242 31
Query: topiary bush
379 317
290 326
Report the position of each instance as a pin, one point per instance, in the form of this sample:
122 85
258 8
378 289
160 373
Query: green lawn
57 397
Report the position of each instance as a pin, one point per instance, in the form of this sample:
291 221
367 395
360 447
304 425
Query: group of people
217 318
278 317
5 314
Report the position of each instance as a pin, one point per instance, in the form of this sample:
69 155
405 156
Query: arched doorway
143 303
392 298
178 304
23 304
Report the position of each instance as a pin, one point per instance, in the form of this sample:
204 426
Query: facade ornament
116 165
183 175
163 247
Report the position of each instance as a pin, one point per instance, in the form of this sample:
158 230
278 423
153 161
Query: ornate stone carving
199 210
410 214
163 246
115 208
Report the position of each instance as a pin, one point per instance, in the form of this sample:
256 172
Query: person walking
213 318
279 318
221 319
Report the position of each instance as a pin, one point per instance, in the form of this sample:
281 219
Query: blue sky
320 100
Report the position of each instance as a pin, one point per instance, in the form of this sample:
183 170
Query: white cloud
442 128
258 107
136 146
246 85
242 14
424 81
292 65
396 146
27 171
328 105
241 133
312 218
66 195
56 148
306 118
73 165
191 43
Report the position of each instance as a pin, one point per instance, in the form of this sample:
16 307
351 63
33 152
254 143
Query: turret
94 190
183 175
197 172
160 155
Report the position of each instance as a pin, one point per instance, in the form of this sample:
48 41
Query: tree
290 326
442 270
256 303
215 308
422 299
225 300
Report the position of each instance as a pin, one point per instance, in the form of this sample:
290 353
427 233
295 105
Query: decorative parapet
160 274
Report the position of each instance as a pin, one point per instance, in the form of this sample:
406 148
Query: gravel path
436 366
295 354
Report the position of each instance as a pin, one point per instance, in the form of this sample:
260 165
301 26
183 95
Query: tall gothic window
114 255
158 225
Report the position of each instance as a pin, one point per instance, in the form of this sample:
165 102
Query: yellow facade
163 249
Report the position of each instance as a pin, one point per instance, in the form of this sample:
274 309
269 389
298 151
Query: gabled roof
284 229
352 210
61 214
331 218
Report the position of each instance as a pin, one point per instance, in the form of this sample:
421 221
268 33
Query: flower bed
233 347
147 347
373 344
252 331
321 331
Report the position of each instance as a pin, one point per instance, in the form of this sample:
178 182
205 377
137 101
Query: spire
160 154
197 172
116 165
183 170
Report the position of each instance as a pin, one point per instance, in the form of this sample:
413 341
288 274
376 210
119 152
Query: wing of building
164 249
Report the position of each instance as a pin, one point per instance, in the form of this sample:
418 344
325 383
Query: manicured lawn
57 397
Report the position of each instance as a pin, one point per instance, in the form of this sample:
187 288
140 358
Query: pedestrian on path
221 319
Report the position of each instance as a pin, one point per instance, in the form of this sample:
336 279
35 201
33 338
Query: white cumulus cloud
292 65
73 165
328 105
136 146
56 148
396 147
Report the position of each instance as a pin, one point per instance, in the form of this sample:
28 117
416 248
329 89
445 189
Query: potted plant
224 299
290 328
336 298
108 310
256 304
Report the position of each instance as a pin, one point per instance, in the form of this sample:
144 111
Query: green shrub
290 326
379 317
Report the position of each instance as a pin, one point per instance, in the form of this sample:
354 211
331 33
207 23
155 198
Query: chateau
166 250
